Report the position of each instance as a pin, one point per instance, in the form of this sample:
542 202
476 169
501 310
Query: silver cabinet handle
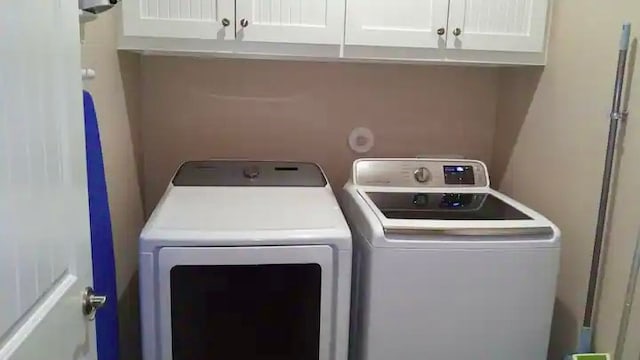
441 31
457 31
244 23
226 22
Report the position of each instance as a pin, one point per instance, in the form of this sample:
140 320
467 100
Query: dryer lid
228 202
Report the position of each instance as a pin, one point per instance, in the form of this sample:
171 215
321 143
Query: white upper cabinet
398 23
290 21
189 19
498 25
448 31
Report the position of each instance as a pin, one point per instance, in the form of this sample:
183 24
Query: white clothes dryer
246 260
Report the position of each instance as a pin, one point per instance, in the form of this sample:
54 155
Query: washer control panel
420 173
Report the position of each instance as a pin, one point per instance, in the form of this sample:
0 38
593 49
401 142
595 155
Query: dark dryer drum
247 260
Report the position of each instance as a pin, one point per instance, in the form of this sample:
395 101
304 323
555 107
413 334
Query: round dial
422 174
251 172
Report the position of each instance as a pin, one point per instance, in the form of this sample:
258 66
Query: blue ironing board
104 270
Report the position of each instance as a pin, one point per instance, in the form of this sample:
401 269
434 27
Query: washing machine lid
444 206
241 202
477 212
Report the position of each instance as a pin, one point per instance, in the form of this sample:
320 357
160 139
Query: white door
405 23
191 19
45 254
499 25
291 21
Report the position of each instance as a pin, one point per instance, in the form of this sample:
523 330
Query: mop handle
628 301
601 220
635 265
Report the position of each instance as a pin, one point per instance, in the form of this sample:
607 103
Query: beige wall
550 130
115 92
203 108
551 135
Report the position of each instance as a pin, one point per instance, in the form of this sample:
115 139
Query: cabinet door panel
501 25
192 19
404 23
291 21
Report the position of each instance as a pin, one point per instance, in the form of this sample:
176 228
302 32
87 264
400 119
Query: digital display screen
458 175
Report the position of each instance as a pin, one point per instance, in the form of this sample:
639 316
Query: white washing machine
446 268
246 260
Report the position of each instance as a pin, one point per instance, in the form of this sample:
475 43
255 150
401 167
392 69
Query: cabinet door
500 25
193 19
290 21
402 23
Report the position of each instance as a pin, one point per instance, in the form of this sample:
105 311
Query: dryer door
269 302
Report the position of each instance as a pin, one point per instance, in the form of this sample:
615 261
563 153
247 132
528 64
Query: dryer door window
245 311
246 303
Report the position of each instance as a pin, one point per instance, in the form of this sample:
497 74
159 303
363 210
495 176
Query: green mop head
591 357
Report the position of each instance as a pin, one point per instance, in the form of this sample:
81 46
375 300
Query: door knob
244 23
440 31
457 31
226 22
92 302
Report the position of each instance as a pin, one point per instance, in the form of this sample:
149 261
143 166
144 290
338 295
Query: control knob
422 174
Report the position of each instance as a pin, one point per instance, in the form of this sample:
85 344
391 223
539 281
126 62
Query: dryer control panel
420 173
249 173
